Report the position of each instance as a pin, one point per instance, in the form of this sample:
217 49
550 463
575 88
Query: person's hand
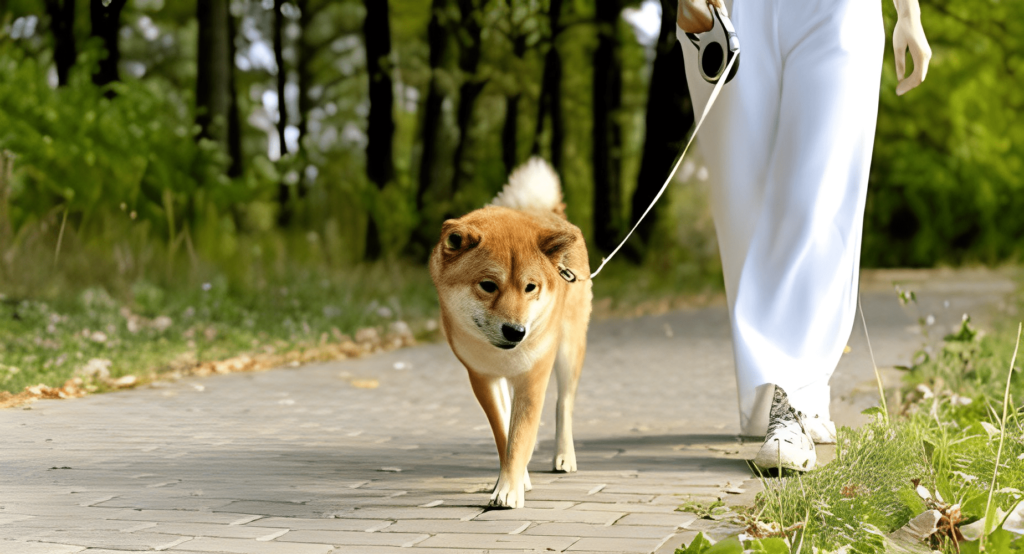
909 34
695 15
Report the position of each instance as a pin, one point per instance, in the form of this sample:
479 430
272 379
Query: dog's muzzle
715 48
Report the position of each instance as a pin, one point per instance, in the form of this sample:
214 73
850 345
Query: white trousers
788 149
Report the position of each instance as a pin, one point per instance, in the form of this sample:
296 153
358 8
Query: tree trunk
510 131
284 214
551 93
106 24
305 73
62 22
282 76
470 51
380 165
669 118
437 37
234 121
607 147
216 105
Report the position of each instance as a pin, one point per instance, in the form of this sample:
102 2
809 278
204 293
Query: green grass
945 437
147 328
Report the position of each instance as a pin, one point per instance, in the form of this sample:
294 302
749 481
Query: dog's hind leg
568 365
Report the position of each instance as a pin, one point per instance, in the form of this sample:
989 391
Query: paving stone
19 547
624 507
215 530
173 503
346 538
626 546
539 493
533 514
102 539
242 546
322 524
439 512
677 519
282 509
498 542
717 530
447 526
679 540
181 516
600 531
67 524
55 510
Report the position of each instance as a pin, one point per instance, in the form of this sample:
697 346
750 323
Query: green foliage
149 328
946 438
101 158
864 489
948 155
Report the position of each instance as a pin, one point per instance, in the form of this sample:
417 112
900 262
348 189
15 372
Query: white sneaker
787 444
822 430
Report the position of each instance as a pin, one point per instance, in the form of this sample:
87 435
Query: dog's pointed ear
558 246
555 243
457 237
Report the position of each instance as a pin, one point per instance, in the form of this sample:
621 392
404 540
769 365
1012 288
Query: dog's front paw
565 462
508 494
527 484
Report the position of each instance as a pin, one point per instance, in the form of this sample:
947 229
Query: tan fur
513 249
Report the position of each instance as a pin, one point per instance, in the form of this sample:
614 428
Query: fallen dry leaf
920 528
368 341
72 388
365 383
124 382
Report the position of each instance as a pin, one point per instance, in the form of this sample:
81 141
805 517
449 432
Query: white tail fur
533 185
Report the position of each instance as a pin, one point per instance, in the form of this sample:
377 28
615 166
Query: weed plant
946 438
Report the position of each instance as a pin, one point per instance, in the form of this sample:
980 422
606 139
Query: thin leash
675 168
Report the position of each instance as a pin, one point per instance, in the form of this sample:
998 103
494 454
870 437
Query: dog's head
496 272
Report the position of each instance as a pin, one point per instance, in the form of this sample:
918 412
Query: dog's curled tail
533 185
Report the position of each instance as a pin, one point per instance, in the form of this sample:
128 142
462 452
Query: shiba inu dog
514 286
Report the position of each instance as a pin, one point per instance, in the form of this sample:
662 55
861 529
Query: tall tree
105 18
284 214
304 60
521 33
282 75
438 41
551 91
510 130
62 22
470 37
669 118
216 102
607 148
380 166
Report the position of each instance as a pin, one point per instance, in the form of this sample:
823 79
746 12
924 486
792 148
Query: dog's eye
531 287
454 241
488 286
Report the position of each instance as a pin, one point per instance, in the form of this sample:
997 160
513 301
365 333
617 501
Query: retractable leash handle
717 47
727 42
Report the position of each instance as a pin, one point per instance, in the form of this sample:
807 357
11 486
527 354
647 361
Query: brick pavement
297 461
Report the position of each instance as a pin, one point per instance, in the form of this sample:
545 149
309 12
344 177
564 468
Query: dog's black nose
514 333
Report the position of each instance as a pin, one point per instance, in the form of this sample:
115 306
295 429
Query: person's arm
909 34
694 16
